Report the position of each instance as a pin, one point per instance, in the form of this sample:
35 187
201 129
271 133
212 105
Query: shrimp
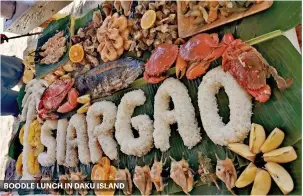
120 23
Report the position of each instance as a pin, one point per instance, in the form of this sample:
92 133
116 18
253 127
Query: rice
239 103
183 114
130 145
48 158
77 137
61 140
102 131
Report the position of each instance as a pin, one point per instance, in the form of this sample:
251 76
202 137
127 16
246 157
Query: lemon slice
148 19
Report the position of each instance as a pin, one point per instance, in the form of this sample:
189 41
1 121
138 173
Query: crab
196 55
251 70
162 58
53 97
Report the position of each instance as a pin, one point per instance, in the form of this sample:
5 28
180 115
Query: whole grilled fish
106 79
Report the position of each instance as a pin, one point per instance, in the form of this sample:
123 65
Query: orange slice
148 19
76 53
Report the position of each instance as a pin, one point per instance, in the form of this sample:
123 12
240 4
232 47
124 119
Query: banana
262 183
242 150
273 141
281 155
247 176
83 108
280 176
84 99
256 138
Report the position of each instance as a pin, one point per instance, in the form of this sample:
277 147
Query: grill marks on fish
110 77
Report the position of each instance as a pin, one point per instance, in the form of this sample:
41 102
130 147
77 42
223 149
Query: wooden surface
30 14
186 28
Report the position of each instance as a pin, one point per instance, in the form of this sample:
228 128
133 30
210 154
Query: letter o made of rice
48 158
183 114
239 103
102 131
124 135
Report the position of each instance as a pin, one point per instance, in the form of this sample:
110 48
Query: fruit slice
273 141
76 53
21 135
281 155
84 99
242 150
247 176
262 183
19 165
280 176
148 19
83 109
256 138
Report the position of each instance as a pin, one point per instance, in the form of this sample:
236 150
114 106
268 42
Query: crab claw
181 66
71 102
154 79
262 95
227 38
197 69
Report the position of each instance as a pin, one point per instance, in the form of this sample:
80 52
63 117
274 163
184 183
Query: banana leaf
54 27
283 110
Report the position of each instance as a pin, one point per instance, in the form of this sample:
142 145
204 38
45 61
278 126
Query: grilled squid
48 158
77 137
124 135
142 179
102 130
183 114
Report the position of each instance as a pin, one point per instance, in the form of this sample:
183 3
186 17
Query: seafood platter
119 95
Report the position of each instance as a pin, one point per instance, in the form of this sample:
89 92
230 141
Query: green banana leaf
283 110
54 27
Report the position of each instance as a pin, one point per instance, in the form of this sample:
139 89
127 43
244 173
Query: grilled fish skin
106 79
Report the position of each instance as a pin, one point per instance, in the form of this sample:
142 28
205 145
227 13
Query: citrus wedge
76 53
148 19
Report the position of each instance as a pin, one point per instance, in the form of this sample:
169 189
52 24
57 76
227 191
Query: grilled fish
106 79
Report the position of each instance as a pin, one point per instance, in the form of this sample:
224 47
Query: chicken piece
225 170
124 175
97 19
142 179
92 60
182 174
88 46
156 176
